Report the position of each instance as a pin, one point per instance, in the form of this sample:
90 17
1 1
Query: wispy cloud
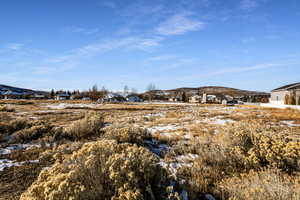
179 24
75 29
14 46
248 4
77 56
247 68
137 43
233 70
162 58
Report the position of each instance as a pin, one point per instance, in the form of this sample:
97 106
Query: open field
82 150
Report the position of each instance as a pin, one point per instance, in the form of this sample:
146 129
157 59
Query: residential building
282 95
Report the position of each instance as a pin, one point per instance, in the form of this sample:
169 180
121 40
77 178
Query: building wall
278 97
297 97
195 99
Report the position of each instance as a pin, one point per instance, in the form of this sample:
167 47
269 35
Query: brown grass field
56 150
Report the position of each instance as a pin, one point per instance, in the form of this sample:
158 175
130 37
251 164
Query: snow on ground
215 121
290 123
5 163
178 162
22 113
14 147
68 105
270 105
154 115
169 127
186 158
167 131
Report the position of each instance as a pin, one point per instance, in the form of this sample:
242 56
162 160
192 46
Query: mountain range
215 90
15 90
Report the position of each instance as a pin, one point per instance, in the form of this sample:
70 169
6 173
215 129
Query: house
62 96
195 99
113 98
38 96
204 98
173 99
288 94
133 98
228 100
13 95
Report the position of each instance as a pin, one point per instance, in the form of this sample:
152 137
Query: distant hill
216 90
6 88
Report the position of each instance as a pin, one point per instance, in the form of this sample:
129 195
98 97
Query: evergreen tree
184 97
52 94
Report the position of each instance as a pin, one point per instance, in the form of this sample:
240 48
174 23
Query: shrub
131 134
260 145
213 164
6 109
61 152
101 170
267 184
16 125
238 149
32 133
91 124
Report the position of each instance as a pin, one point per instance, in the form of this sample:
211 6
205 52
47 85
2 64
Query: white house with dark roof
279 95
62 96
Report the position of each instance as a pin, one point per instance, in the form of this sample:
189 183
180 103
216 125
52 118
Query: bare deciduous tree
151 87
150 91
126 89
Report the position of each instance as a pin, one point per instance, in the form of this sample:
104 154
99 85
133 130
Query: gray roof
63 95
13 93
287 87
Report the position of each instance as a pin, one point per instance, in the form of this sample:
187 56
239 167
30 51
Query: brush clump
101 170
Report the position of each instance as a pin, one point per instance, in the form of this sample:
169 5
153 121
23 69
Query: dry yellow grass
100 170
267 184
107 142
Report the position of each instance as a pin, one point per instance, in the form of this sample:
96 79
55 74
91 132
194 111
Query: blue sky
64 44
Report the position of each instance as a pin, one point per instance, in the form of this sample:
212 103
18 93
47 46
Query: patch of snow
280 106
5 151
222 121
11 148
187 136
163 128
67 105
169 134
5 163
45 111
216 121
179 161
154 115
187 158
290 123
22 113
